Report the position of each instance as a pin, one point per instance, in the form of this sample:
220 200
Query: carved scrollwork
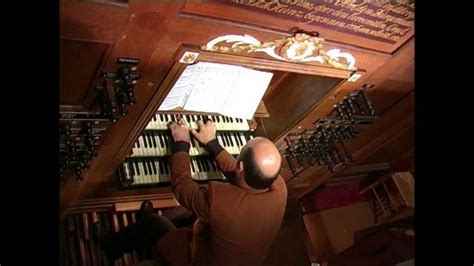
301 47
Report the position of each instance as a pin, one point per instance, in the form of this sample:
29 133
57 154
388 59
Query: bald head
262 161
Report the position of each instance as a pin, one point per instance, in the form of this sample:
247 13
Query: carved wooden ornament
301 48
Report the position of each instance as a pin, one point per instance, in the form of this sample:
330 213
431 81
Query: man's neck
254 190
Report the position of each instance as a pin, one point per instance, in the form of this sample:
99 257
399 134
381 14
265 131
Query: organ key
135 172
158 144
160 121
147 162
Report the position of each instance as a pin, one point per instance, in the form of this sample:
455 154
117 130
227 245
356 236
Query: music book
229 90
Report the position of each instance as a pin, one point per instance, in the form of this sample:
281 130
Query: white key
160 151
149 176
127 170
166 142
242 137
141 149
158 167
157 122
137 175
134 149
153 148
142 173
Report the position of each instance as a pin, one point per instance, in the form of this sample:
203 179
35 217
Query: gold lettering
395 29
390 20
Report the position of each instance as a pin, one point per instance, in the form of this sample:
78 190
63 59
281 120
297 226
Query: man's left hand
180 131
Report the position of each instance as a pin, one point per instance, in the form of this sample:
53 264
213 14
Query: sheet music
226 89
182 88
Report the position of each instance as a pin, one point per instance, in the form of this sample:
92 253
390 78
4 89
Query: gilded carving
301 47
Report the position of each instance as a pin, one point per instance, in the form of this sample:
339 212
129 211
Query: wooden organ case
147 164
314 68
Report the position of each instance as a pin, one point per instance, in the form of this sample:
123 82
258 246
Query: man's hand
180 131
207 132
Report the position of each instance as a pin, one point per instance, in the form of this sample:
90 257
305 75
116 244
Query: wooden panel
79 64
153 33
98 22
145 29
370 140
388 92
298 95
379 97
239 14
394 149
133 206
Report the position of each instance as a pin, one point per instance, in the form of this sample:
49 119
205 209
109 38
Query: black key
166 140
144 167
199 165
231 120
213 165
239 142
162 117
213 118
138 142
150 170
160 166
154 118
162 145
153 140
192 167
206 165
145 140
145 144
232 140
150 140
226 140
165 166
153 167
203 165
131 168
218 119
192 142
137 167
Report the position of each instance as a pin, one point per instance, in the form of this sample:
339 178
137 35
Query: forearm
224 160
186 191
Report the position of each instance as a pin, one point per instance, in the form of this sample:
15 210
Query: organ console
147 165
120 59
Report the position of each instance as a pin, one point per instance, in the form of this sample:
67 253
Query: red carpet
334 196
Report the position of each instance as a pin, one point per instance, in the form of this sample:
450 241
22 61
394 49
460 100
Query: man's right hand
206 133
